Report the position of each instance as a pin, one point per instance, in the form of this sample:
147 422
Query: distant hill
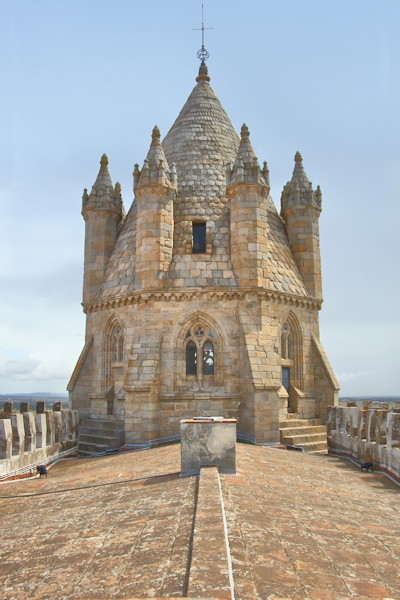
48 397
376 400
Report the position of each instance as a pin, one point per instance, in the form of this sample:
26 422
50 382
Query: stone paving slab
300 526
311 526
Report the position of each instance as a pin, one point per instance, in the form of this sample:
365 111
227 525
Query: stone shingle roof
200 144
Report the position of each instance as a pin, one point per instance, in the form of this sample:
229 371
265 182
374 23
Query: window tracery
200 351
113 344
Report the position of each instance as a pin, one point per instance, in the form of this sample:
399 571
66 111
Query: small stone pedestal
208 441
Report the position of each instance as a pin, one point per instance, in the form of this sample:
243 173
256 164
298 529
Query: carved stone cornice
190 294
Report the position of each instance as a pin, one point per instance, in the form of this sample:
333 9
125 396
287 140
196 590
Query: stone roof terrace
128 526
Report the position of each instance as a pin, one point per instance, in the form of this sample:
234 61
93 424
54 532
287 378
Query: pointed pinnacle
155 134
244 132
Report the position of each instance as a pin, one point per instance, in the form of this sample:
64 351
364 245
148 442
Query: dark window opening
199 238
191 358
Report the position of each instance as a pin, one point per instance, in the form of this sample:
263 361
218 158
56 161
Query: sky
83 78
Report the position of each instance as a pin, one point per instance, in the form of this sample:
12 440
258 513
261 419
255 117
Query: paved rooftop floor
300 526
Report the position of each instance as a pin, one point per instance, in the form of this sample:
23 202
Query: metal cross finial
202 53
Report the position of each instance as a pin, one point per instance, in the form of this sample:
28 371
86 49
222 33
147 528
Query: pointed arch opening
199 356
199 351
292 359
113 350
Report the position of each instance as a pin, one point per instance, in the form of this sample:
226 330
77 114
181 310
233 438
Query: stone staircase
96 435
309 434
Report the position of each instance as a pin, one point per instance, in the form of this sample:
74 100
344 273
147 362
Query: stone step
314 447
100 424
86 448
309 434
92 438
298 440
310 429
300 423
99 435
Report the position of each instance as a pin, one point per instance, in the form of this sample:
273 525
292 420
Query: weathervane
202 53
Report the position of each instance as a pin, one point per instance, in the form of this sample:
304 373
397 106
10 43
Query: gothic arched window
286 340
200 352
113 351
117 345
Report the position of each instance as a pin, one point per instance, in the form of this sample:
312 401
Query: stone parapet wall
366 435
31 438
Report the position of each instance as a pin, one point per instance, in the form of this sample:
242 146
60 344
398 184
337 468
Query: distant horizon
65 394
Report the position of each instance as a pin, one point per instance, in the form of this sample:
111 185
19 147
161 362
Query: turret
247 188
103 212
155 190
300 210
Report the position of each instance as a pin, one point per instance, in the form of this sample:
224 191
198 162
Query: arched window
286 339
117 345
200 352
113 353
292 360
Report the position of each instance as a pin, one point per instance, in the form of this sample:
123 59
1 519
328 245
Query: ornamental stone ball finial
202 54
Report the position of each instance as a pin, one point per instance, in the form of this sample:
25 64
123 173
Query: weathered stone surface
251 274
299 526
371 435
207 443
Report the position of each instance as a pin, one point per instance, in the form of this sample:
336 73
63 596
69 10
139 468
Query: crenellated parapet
31 438
366 435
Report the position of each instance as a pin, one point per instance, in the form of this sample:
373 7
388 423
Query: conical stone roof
200 145
200 142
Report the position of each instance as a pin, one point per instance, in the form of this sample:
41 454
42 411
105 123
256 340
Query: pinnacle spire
103 195
155 167
299 191
246 167
103 184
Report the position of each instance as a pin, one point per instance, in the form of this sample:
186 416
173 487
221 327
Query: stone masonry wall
31 438
366 435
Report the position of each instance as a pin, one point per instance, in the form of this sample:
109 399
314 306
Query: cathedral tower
203 299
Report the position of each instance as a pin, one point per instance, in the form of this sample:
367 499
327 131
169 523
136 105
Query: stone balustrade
366 435
31 438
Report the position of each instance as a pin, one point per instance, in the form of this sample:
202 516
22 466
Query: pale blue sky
80 78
